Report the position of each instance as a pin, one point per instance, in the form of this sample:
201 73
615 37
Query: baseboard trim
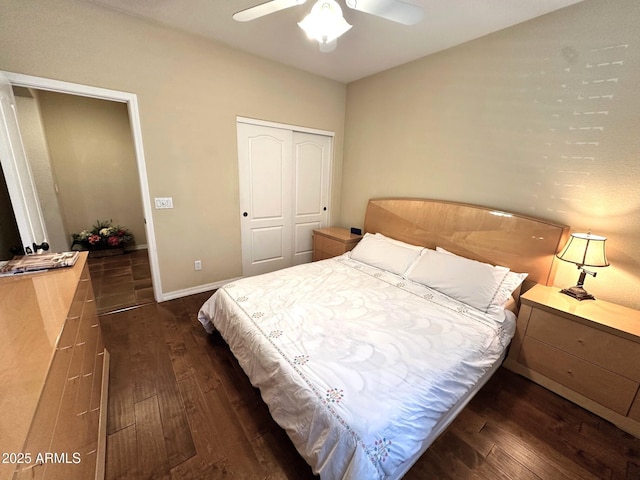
143 246
194 290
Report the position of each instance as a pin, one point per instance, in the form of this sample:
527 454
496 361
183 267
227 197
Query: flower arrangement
103 235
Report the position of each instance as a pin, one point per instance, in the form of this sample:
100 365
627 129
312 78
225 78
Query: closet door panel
264 162
312 157
284 195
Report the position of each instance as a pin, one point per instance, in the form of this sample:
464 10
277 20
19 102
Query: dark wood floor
180 407
121 281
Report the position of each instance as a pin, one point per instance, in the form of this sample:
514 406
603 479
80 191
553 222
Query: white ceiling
371 46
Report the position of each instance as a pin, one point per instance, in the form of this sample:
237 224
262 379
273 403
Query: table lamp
585 250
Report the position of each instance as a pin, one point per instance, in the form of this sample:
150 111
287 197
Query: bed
364 359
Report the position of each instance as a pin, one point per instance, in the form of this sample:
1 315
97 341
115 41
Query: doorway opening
129 102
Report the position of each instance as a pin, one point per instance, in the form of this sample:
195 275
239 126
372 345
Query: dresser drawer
39 437
607 388
69 333
609 351
79 298
71 404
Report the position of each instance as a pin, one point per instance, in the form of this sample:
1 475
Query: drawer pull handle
570 372
580 341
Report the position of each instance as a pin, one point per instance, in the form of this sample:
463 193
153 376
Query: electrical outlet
163 202
197 265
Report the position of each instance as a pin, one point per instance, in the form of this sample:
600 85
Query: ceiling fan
325 22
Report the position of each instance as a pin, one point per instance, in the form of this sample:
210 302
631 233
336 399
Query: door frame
285 126
131 99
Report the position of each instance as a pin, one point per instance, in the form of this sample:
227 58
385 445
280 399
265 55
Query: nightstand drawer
614 353
329 246
607 388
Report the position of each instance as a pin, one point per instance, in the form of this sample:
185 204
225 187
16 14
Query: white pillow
508 286
471 282
382 252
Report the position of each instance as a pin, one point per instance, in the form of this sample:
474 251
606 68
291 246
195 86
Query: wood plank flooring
121 281
180 407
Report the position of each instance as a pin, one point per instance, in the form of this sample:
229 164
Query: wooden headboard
524 244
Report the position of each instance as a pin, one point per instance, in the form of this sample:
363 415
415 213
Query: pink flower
93 239
113 241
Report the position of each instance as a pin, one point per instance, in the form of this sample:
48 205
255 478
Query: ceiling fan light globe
328 47
325 22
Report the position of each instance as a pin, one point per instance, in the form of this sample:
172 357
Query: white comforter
356 364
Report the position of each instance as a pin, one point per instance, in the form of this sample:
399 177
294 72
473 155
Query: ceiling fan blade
394 10
265 9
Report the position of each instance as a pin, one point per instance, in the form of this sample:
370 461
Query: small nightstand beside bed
365 358
584 351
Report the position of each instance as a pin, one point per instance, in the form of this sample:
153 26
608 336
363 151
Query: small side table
584 351
332 241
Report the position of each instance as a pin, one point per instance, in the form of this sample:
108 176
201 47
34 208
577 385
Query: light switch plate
163 202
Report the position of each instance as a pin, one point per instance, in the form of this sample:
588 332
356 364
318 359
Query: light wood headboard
524 244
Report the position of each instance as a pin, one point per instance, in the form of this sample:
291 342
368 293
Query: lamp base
578 293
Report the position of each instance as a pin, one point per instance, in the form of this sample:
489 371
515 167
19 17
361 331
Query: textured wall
189 92
94 161
540 119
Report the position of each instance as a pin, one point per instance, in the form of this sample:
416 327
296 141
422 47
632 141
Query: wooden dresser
332 241
584 351
53 376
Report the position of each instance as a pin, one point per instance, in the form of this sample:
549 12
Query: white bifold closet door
284 195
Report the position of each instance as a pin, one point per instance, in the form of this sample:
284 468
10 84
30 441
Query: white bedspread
356 364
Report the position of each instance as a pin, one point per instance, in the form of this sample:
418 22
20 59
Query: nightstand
332 241
584 351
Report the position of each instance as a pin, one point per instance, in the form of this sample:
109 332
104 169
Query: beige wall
540 119
505 121
189 92
94 162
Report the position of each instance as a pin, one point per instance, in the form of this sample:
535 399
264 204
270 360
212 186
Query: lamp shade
325 22
585 249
